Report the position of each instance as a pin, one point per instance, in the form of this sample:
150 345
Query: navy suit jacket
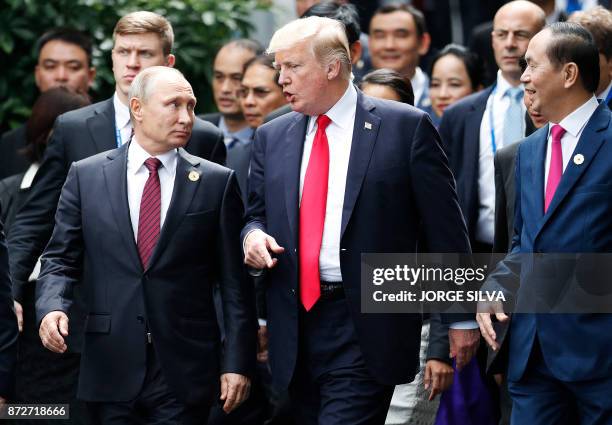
576 347
8 324
398 187
93 244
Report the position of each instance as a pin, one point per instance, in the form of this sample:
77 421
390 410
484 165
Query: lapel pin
367 126
578 159
193 176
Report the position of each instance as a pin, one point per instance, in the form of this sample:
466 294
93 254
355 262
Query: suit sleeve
256 196
500 239
61 263
8 323
438 347
237 293
33 224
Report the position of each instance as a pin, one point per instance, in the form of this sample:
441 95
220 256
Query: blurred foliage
200 27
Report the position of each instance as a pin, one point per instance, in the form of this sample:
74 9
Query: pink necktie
312 215
555 171
150 213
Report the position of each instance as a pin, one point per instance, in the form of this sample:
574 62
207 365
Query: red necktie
555 170
312 215
150 213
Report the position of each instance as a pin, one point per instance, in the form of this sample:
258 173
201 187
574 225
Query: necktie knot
322 122
152 164
557 133
515 94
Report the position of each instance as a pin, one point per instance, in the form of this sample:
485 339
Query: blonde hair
143 22
327 39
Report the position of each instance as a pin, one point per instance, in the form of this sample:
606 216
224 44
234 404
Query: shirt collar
342 113
419 81
137 156
122 112
244 136
502 85
577 120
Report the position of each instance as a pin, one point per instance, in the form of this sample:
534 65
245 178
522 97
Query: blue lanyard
608 97
491 124
118 136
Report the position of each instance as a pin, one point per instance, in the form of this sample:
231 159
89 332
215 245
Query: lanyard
491 124
118 136
608 97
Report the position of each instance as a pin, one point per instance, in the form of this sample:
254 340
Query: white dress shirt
122 120
573 124
137 175
419 83
486 168
339 137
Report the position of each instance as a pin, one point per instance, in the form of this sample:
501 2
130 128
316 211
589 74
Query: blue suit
396 164
571 348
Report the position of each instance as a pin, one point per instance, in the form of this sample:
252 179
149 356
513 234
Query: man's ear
570 74
356 49
170 60
333 70
424 44
136 109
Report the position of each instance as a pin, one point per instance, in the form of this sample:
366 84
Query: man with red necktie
559 366
151 228
343 174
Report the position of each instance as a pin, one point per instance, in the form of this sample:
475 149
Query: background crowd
460 63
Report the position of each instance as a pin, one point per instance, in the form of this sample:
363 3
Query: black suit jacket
93 243
78 134
214 118
11 160
505 162
394 167
8 324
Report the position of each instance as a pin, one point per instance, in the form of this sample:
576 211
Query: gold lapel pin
193 176
578 159
367 126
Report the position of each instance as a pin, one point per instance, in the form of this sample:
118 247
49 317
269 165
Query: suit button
293 292
140 319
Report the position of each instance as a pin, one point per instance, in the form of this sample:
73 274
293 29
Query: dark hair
417 15
67 35
49 105
252 46
473 65
572 42
345 13
598 21
265 60
394 80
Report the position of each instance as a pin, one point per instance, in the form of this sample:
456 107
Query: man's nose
61 74
133 60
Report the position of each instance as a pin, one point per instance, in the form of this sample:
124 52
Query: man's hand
235 389
257 248
262 344
2 403
19 314
463 345
53 329
483 317
438 377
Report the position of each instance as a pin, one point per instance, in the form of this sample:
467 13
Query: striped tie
150 213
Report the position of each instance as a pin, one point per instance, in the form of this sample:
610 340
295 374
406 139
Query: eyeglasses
259 92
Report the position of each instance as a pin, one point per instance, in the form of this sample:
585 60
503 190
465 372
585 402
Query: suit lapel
115 175
362 146
296 134
588 145
102 126
182 195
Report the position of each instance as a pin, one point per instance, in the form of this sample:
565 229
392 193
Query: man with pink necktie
560 366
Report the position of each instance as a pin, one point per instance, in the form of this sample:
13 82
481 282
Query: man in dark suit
142 39
64 59
8 326
476 126
382 162
560 364
151 346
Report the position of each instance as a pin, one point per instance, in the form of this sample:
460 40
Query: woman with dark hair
455 73
260 93
388 84
41 376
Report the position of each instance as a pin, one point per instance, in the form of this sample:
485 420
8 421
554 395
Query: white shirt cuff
262 322
466 324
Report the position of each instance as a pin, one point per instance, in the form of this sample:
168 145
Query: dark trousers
332 384
154 405
541 399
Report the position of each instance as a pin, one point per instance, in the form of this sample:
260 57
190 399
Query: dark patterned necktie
150 213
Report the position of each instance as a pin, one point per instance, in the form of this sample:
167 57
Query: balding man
343 174
151 346
474 128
